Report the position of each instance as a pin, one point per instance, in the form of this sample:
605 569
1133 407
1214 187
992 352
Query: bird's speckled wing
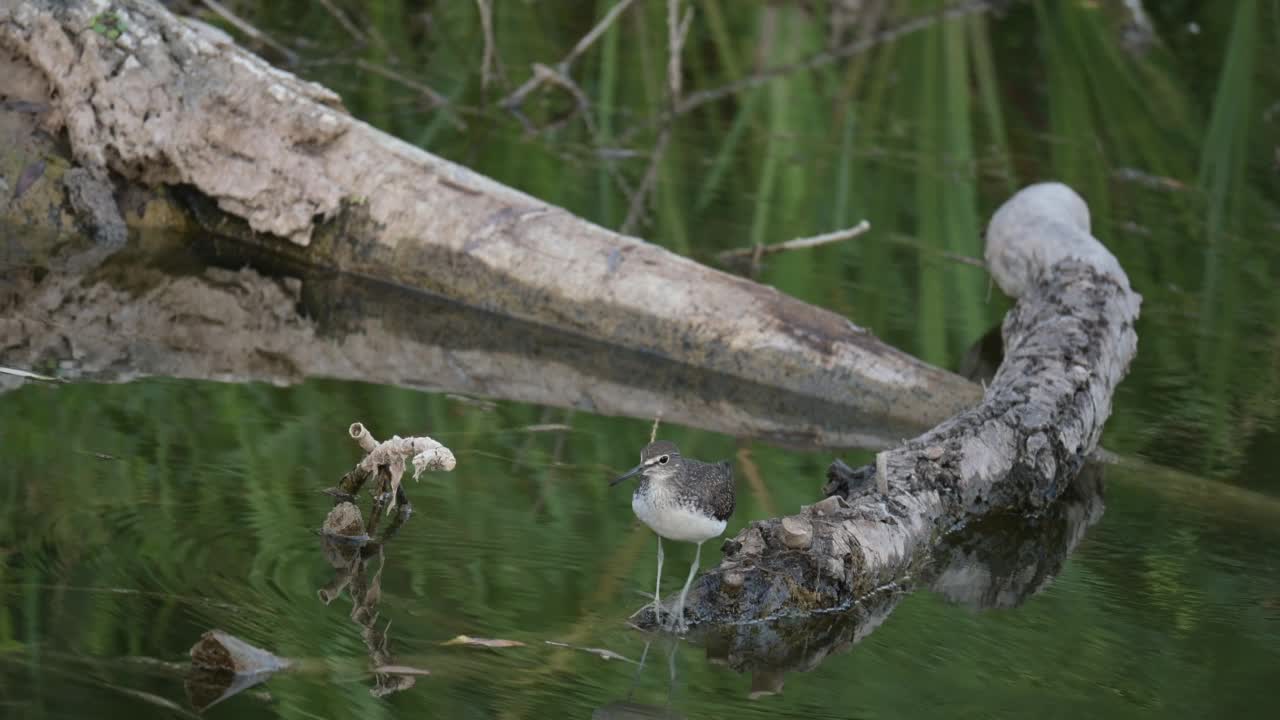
721 495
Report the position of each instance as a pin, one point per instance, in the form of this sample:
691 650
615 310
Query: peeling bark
171 101
1068 343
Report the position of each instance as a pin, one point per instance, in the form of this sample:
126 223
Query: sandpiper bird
680 499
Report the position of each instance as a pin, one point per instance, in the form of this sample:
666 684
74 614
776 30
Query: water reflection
190 308
351 546
999 562
629 708
223 665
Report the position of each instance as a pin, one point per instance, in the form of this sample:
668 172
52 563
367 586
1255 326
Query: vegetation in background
1171 139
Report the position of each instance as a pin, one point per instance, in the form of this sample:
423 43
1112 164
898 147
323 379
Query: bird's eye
663 460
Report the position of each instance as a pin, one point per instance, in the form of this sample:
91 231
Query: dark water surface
135 516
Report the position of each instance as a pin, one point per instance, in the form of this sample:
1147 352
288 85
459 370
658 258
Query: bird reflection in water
629 709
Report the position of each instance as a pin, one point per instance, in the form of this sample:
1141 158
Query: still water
138 516
134 516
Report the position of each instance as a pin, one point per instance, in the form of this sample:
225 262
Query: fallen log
141 311
276 162
1068 343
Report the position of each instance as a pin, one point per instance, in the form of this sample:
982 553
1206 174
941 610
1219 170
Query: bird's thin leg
639 668
693 570
657 587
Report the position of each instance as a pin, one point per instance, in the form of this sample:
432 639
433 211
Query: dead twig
240 24
827 57
513 101
650 178
695 100
755 252
436 99
423 452
28 375
677 31
355 32
944 254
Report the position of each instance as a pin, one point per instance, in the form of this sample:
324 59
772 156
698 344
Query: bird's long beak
633 471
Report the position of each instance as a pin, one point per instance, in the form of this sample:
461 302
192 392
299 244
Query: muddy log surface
1068 343
276 161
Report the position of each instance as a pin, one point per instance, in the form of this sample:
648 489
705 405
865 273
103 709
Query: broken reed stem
363 437
758 251
653 433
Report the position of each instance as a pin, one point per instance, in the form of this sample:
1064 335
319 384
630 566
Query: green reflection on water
204 515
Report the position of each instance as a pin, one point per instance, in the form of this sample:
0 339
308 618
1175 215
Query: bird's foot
655 608
676 623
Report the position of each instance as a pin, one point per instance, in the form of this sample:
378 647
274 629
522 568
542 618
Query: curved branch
1069 341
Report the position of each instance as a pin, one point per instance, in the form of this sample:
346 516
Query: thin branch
516 98
636 207
221 11
437 100
827 57
695 100
677 31
944 254
583 106
756 251
355 32
28 375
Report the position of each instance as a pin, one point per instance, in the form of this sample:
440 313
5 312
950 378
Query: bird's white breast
672 520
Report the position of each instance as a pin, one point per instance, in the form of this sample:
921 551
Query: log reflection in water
194 309
1000 562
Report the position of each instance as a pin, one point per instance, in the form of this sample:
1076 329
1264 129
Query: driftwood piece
223 665
386 461
1068 343
998 562
170 101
